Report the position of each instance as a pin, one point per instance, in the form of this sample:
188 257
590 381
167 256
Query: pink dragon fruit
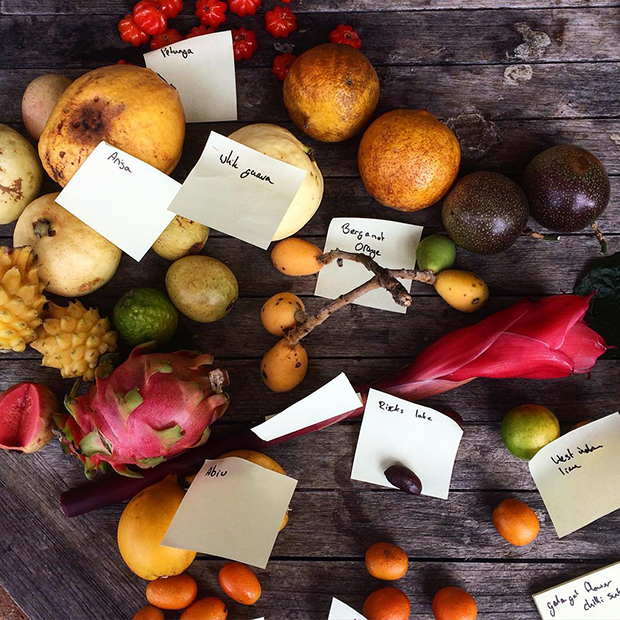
26 411
149 409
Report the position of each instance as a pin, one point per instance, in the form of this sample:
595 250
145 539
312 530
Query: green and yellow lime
528 428
145 314
436 253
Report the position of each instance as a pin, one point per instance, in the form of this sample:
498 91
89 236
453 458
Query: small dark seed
404 479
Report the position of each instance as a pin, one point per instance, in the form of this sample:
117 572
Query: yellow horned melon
21 297
127 106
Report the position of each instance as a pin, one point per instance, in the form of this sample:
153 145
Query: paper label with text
578 474
391 244
121 197
331 400
398 432
238 191
341 611
233 509
595 596
202 69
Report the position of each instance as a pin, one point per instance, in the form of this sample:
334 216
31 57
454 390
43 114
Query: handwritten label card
123 198
331 400
391 244
595 596
202 69
234 510
578 474
238 190
397 432
340 611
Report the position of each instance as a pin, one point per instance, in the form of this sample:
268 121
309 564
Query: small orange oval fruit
386 561
387 604
284 366
452 603
149 613
210 608
516 522
172 592
240 583
278 313
296 257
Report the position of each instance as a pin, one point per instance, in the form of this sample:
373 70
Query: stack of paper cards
238 191
202 69
340 611
391 244
578 474
121 197
333 399
234 510
595 596
397 432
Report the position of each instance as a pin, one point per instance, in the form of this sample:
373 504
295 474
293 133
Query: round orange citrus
516 522
454 603
386 561
387 604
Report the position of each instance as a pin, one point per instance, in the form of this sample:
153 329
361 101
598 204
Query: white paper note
234 510
397 432
331 400
391 244
123 198
202 69
238 191
578 474
340 611
595 596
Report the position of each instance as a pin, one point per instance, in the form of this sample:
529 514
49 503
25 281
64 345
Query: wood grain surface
474 66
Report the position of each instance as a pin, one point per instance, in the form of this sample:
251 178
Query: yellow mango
142 527
463 290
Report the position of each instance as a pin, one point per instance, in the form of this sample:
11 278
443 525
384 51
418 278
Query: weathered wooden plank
551 91
117 7
323 461
543 268
501 590
484 401
484 37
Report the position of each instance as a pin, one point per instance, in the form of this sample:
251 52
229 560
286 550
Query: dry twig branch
383 278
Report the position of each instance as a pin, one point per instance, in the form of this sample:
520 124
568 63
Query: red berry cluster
150 19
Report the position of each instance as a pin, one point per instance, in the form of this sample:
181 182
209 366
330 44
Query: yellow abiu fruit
142 527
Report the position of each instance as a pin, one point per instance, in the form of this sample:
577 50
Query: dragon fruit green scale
151 408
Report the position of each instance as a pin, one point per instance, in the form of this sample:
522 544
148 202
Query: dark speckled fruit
567 188
485 212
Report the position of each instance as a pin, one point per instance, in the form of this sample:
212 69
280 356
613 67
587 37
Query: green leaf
603 316
128 402
170 436
93 443
152 462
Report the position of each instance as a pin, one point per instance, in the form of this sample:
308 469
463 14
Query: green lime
528 428
144 314
436 253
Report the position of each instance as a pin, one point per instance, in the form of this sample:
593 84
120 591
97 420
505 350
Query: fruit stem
528 232
600 237
383 278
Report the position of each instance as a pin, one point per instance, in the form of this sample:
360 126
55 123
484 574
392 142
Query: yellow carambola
21 297
73 338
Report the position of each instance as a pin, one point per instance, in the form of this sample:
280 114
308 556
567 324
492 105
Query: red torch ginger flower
544 340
